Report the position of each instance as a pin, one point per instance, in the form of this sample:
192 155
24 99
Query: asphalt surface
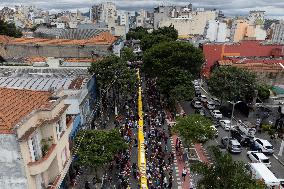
276 167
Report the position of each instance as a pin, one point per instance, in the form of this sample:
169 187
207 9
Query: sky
273 8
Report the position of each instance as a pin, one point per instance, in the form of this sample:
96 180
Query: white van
260 172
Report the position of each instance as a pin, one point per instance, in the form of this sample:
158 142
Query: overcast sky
229 7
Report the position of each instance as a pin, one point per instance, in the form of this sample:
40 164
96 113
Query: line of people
159 158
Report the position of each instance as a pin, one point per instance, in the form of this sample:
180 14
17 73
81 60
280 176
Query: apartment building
278 33
217 31
185 20
34 138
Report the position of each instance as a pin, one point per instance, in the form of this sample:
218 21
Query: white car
258 157
203 98
197 104
210 105
226 124
216 114
264 146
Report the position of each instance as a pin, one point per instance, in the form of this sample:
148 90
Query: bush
266 127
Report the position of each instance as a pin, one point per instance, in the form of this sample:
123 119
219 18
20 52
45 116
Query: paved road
277 168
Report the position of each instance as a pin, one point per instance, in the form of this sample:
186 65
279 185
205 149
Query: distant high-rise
278 33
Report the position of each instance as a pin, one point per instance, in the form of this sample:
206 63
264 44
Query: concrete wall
194 25
27 50
12 174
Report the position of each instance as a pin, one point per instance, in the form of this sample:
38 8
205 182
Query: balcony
43 163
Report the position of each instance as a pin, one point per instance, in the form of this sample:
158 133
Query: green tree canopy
225 173
9 29
98 146
194 128
170 32
137 33
159 59
263 92
113 68
231 83
127 54
149 40
176 85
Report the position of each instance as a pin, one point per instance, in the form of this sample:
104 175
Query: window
59 128
35 147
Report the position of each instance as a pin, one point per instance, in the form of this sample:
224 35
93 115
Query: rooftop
16 104
43 79
255 66
104 38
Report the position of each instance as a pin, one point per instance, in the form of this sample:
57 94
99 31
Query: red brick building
242 52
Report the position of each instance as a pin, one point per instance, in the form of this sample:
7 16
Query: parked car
210 105
258 157
226 124
216 101
197 92
216 123
234 146
196 104
264 146
203 98
227 112
216 114
247 128
243 139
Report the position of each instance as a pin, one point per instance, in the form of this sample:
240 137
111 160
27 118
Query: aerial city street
141 94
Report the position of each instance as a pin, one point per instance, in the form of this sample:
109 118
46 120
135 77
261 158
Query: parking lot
276 167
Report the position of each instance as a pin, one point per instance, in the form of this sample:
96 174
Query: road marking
275 157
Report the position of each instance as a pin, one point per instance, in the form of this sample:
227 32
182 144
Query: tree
149 40
176 85
164 56
9 29
231 83
127 54
112 74
170 32
98 147
194 128
112 69
137 33
263 92
164 34
225 173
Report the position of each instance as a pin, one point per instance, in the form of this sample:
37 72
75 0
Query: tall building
278 33
242 29
185 20
216 31
104 12
34 140
256 17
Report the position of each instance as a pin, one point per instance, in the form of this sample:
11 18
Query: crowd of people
159 158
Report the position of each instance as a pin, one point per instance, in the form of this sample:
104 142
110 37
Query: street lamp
234 103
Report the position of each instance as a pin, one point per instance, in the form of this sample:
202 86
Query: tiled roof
16 104
254 66
104 38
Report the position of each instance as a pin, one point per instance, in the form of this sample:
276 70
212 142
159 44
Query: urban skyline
273 9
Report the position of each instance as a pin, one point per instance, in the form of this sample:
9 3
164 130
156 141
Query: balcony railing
43 163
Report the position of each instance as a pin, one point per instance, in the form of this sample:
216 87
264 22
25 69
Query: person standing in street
165 181
184 173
